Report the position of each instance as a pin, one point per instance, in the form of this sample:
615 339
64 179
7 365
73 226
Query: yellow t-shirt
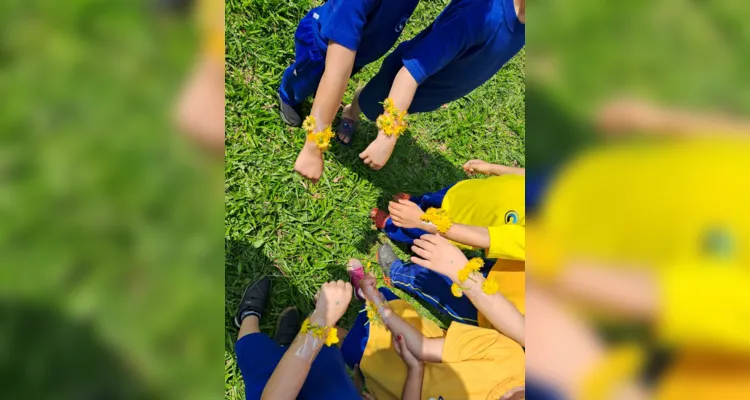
681 210
477 363
497 202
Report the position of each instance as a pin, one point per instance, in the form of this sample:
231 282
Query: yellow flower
475 264
305 326
490 286
309 124
463 274
456 290
332 338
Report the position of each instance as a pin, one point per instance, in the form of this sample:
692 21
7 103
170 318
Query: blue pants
435 289
425 201
354 345
258 355
301 79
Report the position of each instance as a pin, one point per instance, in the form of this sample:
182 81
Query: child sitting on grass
477 213
333 42
464 362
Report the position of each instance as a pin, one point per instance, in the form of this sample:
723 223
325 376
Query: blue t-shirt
369 27
463 48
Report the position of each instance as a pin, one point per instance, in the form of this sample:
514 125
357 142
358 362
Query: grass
302 235
109 240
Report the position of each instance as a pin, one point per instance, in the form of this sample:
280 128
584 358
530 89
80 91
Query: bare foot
310 162
377 154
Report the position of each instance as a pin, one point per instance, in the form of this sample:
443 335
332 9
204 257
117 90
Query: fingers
427 255
434 239
424 245
422 262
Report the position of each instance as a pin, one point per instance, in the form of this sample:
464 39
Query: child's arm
425 349
338 69
483 167
505 241
415 370
290 374
441 256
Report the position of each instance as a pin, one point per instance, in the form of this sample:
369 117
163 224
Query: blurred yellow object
619 366
211 16
678 208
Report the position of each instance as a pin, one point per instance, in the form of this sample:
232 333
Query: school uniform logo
402 24
511 217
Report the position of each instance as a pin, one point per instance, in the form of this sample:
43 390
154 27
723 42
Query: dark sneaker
290 115
287 327
386 257
253 301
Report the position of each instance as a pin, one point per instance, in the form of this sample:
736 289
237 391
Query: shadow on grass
47 354
412 169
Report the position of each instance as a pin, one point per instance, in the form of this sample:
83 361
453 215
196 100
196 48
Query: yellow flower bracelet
392 121
439 218
490 286
321 139
319 332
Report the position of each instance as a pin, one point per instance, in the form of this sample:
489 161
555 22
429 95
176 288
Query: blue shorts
302 78
258 355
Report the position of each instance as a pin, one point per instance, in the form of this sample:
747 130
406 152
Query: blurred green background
110 237
585 53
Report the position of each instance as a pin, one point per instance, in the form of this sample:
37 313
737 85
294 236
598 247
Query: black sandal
347 127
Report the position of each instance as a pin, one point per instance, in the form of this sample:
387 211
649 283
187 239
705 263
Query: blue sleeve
346 20
448 37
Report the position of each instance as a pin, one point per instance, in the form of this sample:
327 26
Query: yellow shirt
499 203
681 210
477 363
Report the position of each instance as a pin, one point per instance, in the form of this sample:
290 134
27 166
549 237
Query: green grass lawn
302 235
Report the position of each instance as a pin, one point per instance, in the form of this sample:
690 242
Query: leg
433 199
250 324
257 357
404 235
433 288
301 79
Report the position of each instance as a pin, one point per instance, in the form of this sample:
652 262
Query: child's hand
478 166
333 300
406 214
399 344
369 286
309 162
439 255
377 154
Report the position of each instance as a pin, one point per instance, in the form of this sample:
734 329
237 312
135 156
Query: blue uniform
369 27
258 355
463 48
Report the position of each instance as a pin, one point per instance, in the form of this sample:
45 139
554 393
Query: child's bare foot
377 154
379 217
310 162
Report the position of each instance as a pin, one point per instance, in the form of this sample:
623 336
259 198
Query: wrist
496 169
318 318
415 369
